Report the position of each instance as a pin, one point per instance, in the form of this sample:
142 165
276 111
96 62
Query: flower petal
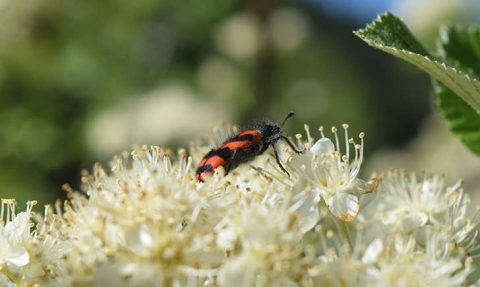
18 230
344 205
414 220
373 251
308 222
34 270
17 255
362 187
323 145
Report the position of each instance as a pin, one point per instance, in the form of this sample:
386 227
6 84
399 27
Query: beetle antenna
286 118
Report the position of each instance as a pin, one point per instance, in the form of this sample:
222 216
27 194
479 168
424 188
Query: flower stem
343 232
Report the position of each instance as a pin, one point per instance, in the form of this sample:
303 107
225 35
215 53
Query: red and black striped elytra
244 147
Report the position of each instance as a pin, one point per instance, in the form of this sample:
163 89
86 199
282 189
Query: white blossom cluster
146 221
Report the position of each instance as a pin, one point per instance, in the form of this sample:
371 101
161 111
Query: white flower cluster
146 221
29 255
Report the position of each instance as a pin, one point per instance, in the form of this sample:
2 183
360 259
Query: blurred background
83 80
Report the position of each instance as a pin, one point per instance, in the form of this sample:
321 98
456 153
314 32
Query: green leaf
388 33
464 121
456 87
461 46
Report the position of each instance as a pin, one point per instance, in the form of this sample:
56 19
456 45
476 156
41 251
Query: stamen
321 131
299 140
167 163
307 130
347 149
3 210
337 142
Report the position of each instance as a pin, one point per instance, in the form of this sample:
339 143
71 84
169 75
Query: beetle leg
278 160
291 145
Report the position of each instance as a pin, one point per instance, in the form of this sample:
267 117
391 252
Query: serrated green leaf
456 86
388 33
464 121
461 46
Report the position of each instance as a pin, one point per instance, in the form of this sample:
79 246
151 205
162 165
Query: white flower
26 256
406 205
14 236
13 255
402 262
337 262
147 222
270 247
327 170
394 260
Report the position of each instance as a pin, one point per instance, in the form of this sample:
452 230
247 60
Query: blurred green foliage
64 63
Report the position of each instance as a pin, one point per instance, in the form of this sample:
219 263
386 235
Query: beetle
244 147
